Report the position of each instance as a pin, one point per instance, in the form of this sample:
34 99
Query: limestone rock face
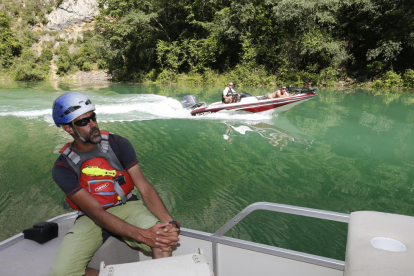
72 12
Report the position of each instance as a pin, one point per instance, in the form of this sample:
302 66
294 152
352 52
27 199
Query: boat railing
218 237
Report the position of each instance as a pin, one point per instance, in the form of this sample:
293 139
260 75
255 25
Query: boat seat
379 244
114 251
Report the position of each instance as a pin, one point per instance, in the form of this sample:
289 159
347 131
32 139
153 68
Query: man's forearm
156 205
149 194
154 236
115 225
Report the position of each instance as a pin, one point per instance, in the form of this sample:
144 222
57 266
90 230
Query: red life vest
102 176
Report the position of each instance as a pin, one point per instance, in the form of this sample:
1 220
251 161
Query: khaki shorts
85 238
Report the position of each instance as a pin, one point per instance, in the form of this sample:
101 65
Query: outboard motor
312 90
289 88
308 90
190 102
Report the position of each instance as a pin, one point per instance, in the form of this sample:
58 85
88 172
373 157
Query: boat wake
131 107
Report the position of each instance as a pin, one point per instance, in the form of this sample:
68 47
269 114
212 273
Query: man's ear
68 129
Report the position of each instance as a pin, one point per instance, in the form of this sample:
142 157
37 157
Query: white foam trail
120 108
27 114
143 107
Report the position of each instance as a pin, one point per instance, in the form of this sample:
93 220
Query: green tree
10 47
298 40
379 33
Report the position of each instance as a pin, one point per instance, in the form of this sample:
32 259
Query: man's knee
157 253
60 268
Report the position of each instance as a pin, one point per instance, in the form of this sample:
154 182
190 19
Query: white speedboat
377 244
249 103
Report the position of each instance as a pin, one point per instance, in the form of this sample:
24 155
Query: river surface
345 150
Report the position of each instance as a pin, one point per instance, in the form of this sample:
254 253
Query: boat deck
226 256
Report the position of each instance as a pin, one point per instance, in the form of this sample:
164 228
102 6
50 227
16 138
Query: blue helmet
69 106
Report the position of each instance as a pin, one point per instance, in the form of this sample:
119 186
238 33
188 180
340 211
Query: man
279 93
229 94
98 172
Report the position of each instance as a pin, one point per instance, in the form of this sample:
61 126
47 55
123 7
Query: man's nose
93 123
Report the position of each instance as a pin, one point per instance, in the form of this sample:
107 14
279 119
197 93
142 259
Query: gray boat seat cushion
390 232
114 251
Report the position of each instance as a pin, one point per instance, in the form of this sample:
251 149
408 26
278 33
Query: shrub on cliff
391 79
30 67
409 78
10 47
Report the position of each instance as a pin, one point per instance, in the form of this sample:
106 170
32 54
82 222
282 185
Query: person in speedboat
98 172
281 93
229 94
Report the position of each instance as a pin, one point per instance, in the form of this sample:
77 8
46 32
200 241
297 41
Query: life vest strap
73 156
105 141
120 192
127 197
104 145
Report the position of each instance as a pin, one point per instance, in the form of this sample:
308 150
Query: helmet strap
77 133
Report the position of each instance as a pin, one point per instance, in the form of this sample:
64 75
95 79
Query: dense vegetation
17 60
252 42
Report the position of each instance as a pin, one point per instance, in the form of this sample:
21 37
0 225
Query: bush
46 55
58 2
191 78
10 47
151 75
392 79
66 61
291 77
87 66
79 60
377 84
102 64
28 72
167 76
244 76
375 66
137 76
64 65
409 78
314 78
31 20
331 76
210 77
389 80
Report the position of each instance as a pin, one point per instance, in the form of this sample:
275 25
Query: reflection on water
377 123
278 136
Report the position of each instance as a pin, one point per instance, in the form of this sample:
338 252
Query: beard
91 138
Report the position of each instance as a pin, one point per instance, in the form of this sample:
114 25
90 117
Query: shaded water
343 151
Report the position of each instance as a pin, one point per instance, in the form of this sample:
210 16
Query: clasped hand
162 236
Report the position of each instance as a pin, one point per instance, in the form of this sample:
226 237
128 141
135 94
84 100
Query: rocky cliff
71 12
71 19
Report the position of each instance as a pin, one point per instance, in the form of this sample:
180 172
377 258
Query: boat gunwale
19 237
217 238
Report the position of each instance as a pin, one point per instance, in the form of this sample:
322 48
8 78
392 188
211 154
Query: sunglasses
85 121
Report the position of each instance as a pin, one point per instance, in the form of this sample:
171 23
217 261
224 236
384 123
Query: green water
343 151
